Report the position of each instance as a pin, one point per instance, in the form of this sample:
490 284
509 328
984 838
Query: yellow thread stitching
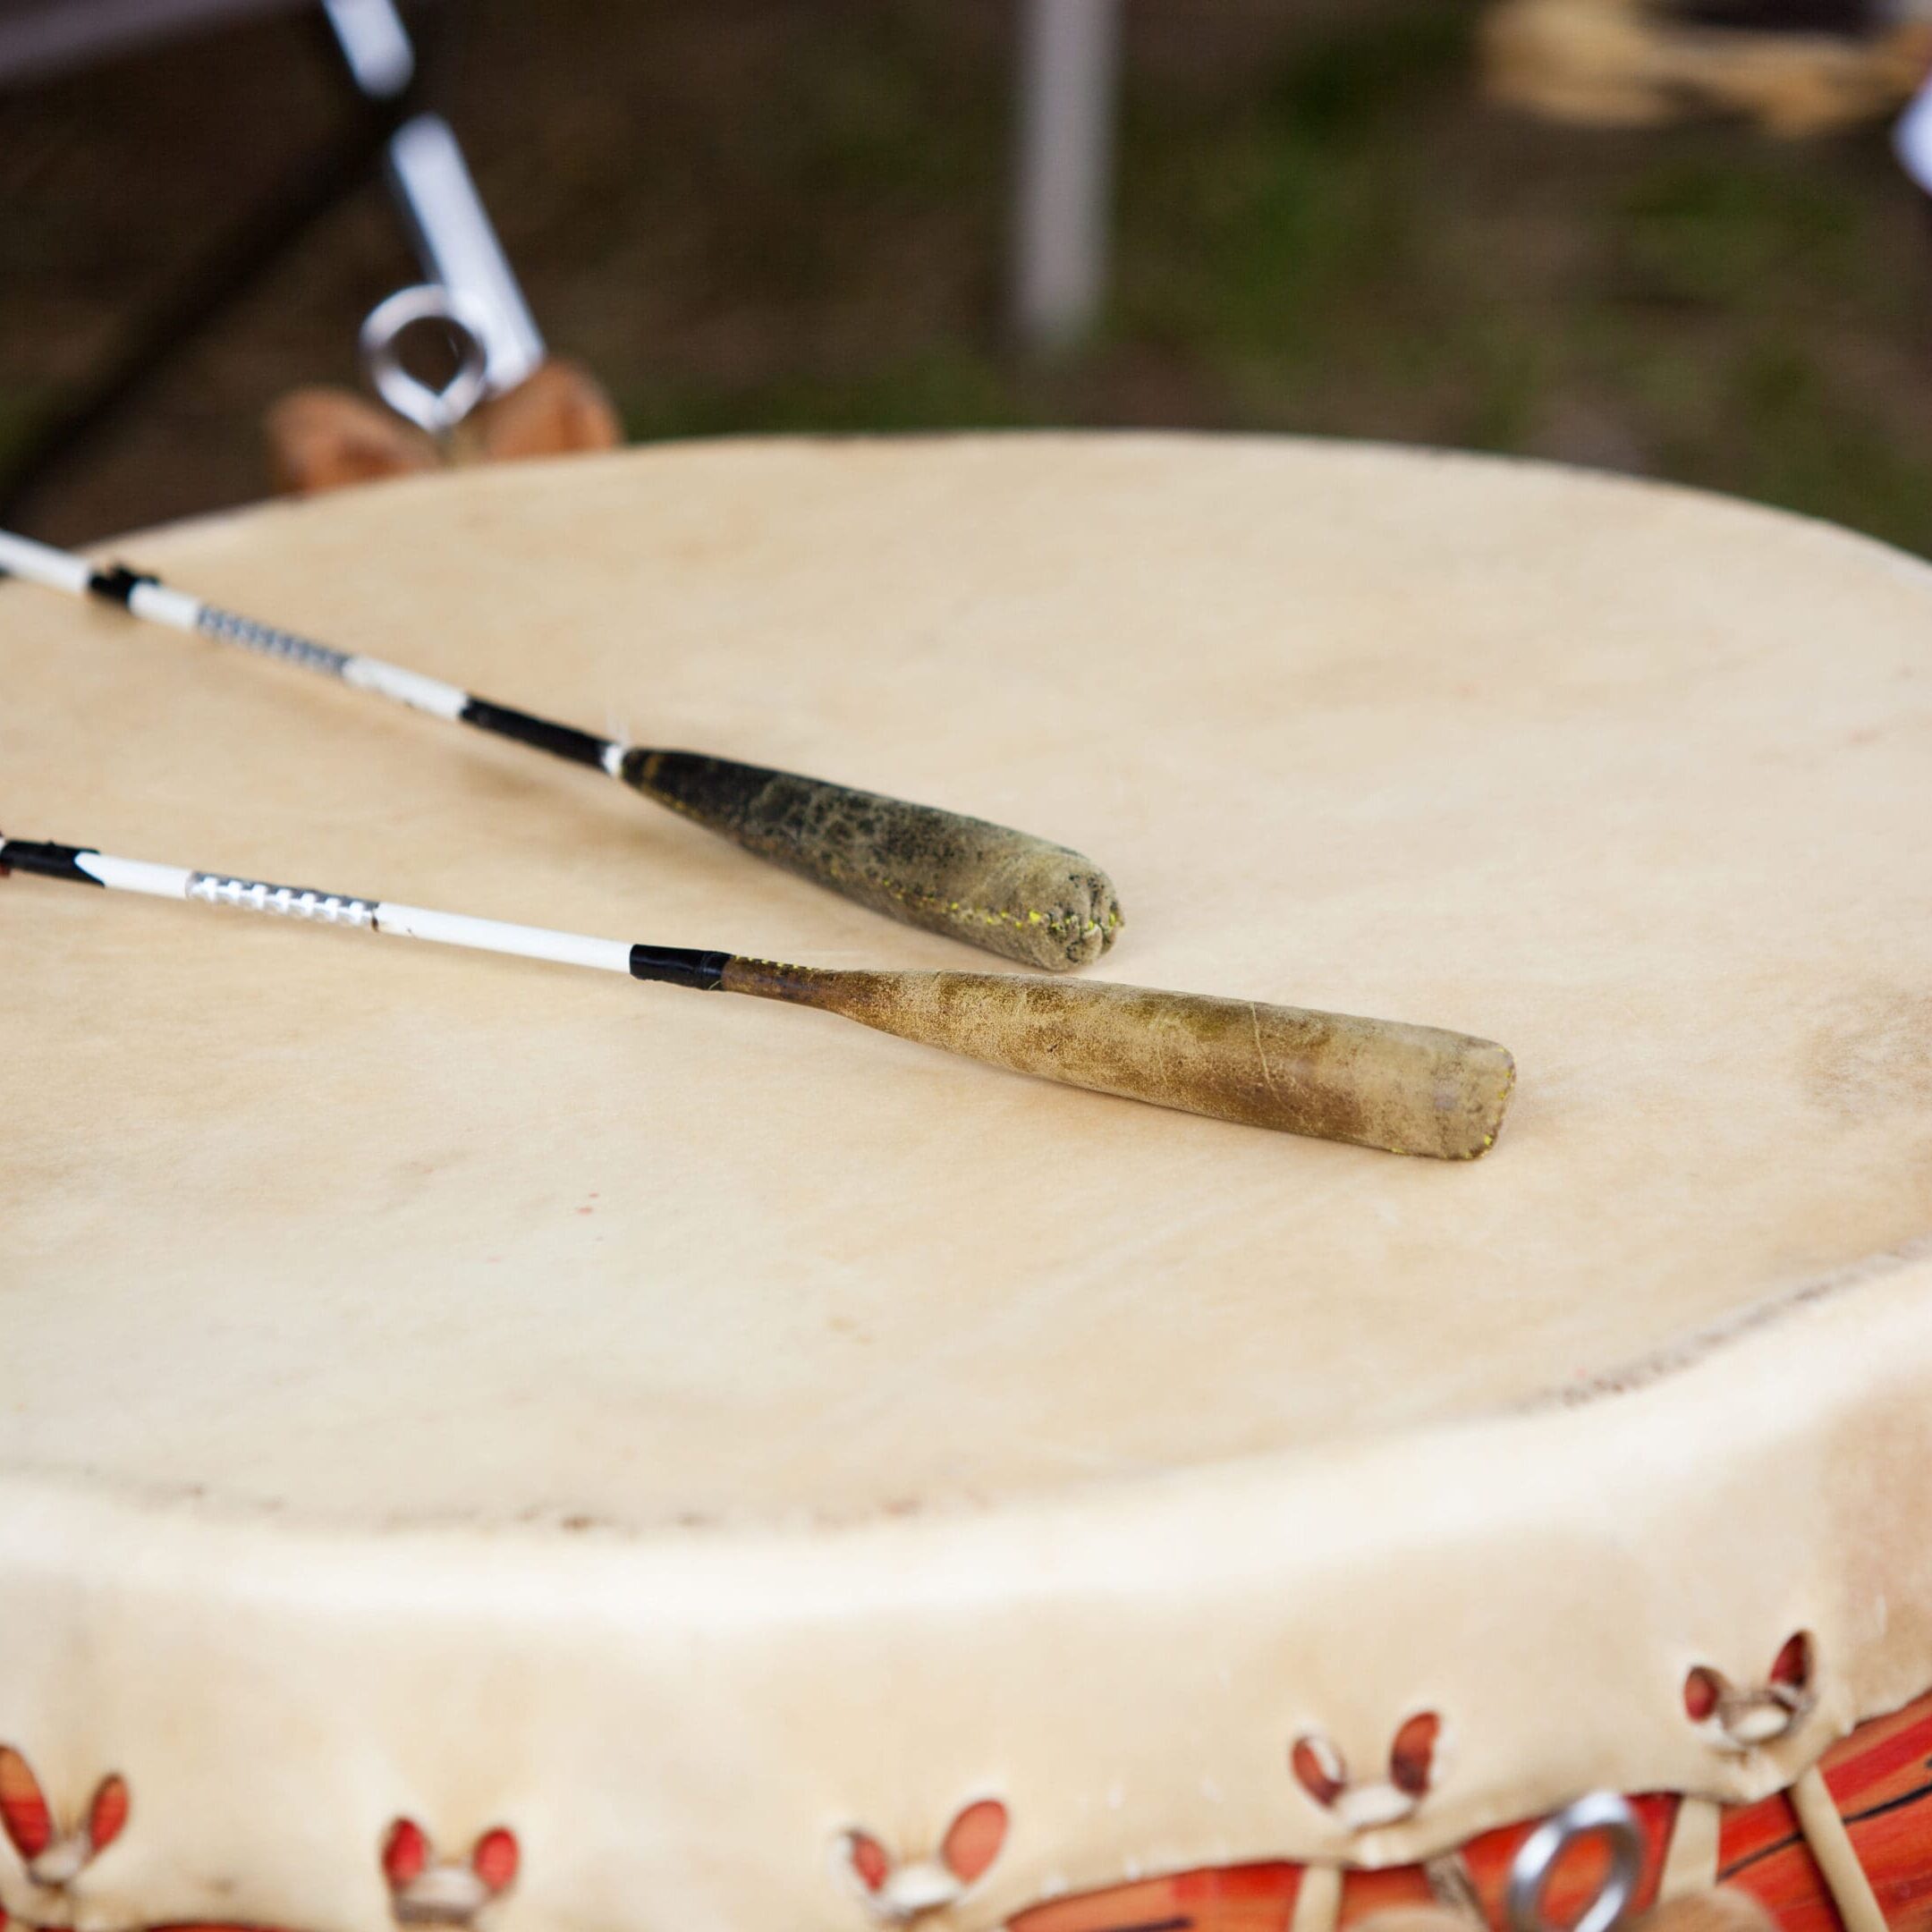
1057 923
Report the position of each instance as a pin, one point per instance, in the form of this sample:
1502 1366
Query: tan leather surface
687 1429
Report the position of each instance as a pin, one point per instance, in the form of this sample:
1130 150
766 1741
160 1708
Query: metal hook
438 410
1602 1815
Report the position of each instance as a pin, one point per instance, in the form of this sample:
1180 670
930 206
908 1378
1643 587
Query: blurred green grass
1351 243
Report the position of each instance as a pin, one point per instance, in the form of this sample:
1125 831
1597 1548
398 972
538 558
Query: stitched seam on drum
1706 1341
1058 923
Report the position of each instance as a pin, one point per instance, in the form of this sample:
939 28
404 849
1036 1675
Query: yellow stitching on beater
1059 922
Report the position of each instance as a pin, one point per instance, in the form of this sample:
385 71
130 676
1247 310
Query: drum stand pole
312 188
1068 55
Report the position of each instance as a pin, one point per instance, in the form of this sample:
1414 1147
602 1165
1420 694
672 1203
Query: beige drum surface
1636 782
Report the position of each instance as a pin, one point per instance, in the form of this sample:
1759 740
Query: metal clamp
1602 1815
438 410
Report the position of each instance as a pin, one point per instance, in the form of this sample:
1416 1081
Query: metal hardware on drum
1406 1090
1022 897
1604 1814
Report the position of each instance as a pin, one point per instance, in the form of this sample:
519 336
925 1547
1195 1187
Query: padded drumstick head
1379 1083
1006 890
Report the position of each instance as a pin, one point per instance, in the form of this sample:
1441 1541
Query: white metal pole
1068 58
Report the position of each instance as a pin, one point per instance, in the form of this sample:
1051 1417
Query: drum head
732 1450
1636 782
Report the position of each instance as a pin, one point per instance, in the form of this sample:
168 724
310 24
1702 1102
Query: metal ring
438 410
1602 1815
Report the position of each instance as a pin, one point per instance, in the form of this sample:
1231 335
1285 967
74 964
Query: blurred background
798 216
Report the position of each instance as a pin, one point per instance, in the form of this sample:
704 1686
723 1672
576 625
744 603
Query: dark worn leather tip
1005 891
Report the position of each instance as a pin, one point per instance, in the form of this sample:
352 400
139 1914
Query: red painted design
495 1859
404 1854
1413 1752
870 1860
1323 1773
54 1852
1231 1898
421 1890
23 1810
1701 1690
901 1890
1741 1715
1880 1778
973 1840
1793 1666
1318 1770
108 1812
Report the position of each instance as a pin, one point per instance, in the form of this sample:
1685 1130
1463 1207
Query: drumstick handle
1379 1083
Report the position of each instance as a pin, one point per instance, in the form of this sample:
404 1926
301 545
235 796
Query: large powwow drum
560 1460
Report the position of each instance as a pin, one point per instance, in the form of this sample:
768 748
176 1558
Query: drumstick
1006 890
1408 1090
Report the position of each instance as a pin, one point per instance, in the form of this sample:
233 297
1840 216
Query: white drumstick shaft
60 570
132 875
41 563
157 603
494 936
318 908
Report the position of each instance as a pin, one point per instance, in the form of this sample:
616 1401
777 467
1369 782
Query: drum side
1880 1779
